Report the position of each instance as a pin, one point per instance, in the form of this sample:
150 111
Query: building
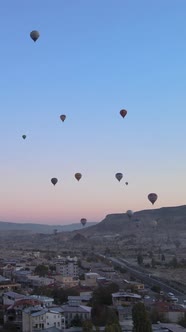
171 327
67 267
91 279
79 300
121 298
172 313
66 281
9 298
136 286
36 281
38 318
71 311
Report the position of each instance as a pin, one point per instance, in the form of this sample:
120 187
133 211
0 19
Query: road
143 276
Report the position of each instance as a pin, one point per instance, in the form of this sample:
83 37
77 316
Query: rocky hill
40 228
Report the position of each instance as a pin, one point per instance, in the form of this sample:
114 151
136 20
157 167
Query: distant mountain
41 228
167 218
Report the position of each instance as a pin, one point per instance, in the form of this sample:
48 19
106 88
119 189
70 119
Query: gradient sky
92 59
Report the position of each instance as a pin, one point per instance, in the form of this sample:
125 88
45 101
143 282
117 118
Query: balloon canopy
54 181
78 176
83 221
34 35
152 197
129 213
123 113
119 176
63 117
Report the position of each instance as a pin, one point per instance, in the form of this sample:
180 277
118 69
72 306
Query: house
91 279
71 311
136 286
125 298
67 281
44 300
36 281
9 298
38 319
171 312
79 300
171 327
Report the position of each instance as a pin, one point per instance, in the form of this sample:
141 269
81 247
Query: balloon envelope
119 176
126 183
152 197
54 181
83 221
78 176
123 113
63 117
34 35
130 213
23 136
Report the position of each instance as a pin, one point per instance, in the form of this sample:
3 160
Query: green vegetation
140 259
115 327
41 270
141 321
101 299
103 294
59 295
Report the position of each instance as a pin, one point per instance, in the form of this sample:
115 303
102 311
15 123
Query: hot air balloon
123 113
152 197
23 136
34 35
83 221
63 117
78 176
54 181
119 176
126 183
129 213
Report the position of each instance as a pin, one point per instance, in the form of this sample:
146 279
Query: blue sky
92 59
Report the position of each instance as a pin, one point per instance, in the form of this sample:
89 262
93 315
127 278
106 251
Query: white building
9 298
38 318
37 281
67 267
44 300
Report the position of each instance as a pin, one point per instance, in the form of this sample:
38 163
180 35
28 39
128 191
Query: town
44 291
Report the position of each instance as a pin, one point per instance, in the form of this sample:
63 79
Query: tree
103 294
41 270
163 257
141 321
9 327
87 326
102 315
174 262
153 263
156 289
77 321
140 259
182 321
115 327
177 243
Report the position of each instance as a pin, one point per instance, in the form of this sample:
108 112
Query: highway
143 276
